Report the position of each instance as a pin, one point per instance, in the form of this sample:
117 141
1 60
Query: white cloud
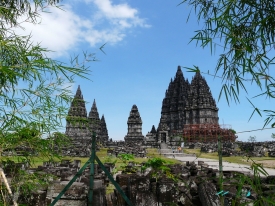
62 30
116 11
120 14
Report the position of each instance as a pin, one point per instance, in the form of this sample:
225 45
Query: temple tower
173 105
201 107
76 121
186 103
104 132
94 121
134 126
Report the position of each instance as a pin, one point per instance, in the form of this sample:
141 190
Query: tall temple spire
186 103
202 106
78 105
174 103
104 132
94 119
77 117
94 113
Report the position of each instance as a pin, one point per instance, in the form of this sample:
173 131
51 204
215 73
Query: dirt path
267 163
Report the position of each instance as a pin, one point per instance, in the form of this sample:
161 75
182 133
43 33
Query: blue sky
145 42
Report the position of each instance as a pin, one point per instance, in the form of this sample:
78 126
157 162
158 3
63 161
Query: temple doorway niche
163 137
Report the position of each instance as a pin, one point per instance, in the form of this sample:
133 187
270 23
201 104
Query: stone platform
176 155
165 151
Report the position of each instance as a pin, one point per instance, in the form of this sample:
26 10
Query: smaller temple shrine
94 121
134 126
103 132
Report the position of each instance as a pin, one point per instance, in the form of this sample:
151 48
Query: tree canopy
34 97
246 32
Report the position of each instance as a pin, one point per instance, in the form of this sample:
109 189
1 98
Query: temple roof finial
179 72
78 93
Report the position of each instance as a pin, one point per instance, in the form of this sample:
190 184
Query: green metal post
70 183
91 162
220 167
92 170
114 182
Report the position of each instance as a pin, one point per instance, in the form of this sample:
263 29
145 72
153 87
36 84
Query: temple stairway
165 151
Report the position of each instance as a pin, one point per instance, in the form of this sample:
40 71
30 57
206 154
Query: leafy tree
233 131
252 139
33 99
245 31
273 135
126 158
159 168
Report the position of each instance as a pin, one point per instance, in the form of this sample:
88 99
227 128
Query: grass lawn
151 153
102 155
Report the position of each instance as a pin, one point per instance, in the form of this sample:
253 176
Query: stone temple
188 110
185 104
79 126
134 126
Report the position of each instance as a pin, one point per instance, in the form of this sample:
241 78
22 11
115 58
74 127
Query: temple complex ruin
189 113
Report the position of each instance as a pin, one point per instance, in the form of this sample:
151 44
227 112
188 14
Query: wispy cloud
62 30
121 14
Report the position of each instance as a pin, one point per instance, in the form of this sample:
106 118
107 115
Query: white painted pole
7 185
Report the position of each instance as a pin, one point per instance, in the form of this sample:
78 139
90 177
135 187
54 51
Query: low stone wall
128 148
251 149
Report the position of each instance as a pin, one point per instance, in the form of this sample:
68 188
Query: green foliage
75 120
233 131
33 94
110 159
159 168
255 185
125 158
245 32
273 135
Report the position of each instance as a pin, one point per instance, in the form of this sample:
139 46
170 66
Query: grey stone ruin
79 127
134 127
197 184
